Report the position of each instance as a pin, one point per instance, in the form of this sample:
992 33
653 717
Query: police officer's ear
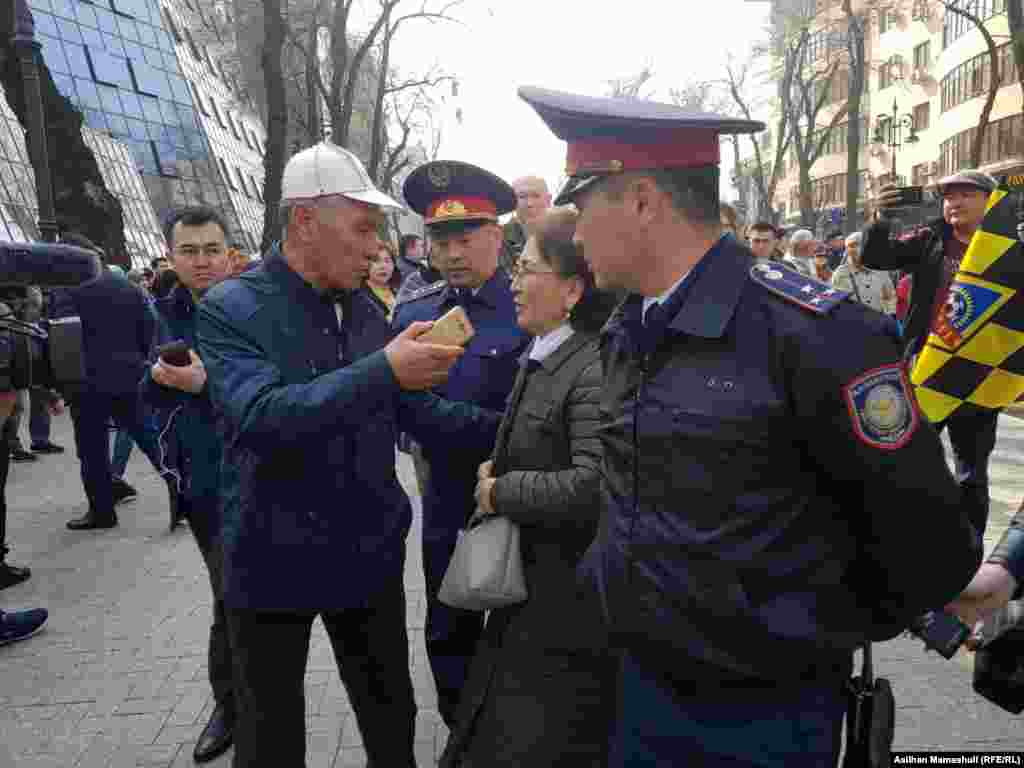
646 199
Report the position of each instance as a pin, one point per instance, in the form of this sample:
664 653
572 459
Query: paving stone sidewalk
118 680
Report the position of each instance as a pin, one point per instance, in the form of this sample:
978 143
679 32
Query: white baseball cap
327 169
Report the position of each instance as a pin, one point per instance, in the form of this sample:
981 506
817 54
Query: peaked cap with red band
607 136
448 193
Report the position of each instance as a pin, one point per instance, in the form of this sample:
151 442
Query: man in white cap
304 372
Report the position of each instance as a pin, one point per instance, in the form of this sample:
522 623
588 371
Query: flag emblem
881 408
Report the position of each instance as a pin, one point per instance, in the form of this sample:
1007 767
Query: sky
570 45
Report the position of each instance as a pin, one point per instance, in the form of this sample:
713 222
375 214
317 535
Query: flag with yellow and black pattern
974 359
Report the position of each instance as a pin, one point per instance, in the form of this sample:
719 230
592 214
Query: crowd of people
701 436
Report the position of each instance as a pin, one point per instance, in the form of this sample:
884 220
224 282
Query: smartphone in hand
452 329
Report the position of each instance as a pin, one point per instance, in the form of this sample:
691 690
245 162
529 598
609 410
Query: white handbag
486 569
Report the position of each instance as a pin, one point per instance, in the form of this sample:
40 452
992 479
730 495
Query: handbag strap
867 672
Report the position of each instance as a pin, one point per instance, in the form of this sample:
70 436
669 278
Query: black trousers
5 465
91 414
973 436
203 520
372 651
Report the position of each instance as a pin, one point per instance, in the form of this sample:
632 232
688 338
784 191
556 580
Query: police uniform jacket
483 375
786 487
185 418
308 479
117 331
920 256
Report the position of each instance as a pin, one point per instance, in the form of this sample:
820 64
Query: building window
216 113
227 176
107 69
886 21
1004 139
923 55
885 75
231 124
922 115
257 188
972 77
955 25
193 48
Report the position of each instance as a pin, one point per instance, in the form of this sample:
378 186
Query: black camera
46 353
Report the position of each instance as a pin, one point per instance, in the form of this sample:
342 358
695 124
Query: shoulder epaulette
426 290
820 298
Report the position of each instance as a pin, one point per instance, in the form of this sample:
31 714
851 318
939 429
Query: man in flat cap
933 258
460 204
759 432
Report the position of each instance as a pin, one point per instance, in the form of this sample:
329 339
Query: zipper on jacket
637 400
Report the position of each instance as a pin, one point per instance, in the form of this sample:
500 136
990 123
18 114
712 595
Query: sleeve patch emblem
882 408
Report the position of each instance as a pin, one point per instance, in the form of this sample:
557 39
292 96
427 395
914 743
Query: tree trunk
314 125
1015 13
806 198
277 120
342 114
377 125
855 47
82 201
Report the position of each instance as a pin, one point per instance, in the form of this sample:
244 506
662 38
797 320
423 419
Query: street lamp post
26 48
895 139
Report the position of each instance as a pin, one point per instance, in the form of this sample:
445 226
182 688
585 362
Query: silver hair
856 237
284 213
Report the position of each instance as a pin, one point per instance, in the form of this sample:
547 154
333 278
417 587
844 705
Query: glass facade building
167 127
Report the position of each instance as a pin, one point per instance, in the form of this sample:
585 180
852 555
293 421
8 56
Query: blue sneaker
17 625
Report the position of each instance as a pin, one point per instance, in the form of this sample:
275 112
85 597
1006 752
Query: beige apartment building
934 65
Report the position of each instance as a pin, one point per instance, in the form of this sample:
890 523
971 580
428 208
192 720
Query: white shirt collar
649 300
545 345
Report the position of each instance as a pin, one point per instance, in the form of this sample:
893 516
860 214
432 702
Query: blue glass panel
112 43
152 56
65 84
166 41
87 93
134 50
118 125
95 119
147 34
168 157
46 24
151 109
64 8
171 62
77 63
131 103
40 5
136 8
137 129
109 99
87 15
92 37
53 55
150 80
174 135
180 90
66 29
128 28
108 23
109 69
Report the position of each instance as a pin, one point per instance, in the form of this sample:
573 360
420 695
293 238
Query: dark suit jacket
547 655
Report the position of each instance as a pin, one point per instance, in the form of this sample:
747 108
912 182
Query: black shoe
92 521
173 503
17 625
20 454
216 737
47 447
12 574
122 491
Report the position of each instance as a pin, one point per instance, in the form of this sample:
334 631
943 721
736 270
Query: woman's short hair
728 213
395 282
554 237
856 237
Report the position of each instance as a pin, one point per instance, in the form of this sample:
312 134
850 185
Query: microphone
47 264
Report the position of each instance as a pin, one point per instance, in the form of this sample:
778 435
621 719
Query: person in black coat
540 691
117 332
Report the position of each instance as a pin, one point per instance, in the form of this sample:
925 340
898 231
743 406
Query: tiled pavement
117 679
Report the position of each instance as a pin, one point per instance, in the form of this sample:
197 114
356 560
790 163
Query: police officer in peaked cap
766 462
460 204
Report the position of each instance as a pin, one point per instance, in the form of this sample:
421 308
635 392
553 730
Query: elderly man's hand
186 378
989 590
417 365
889 197
7 402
